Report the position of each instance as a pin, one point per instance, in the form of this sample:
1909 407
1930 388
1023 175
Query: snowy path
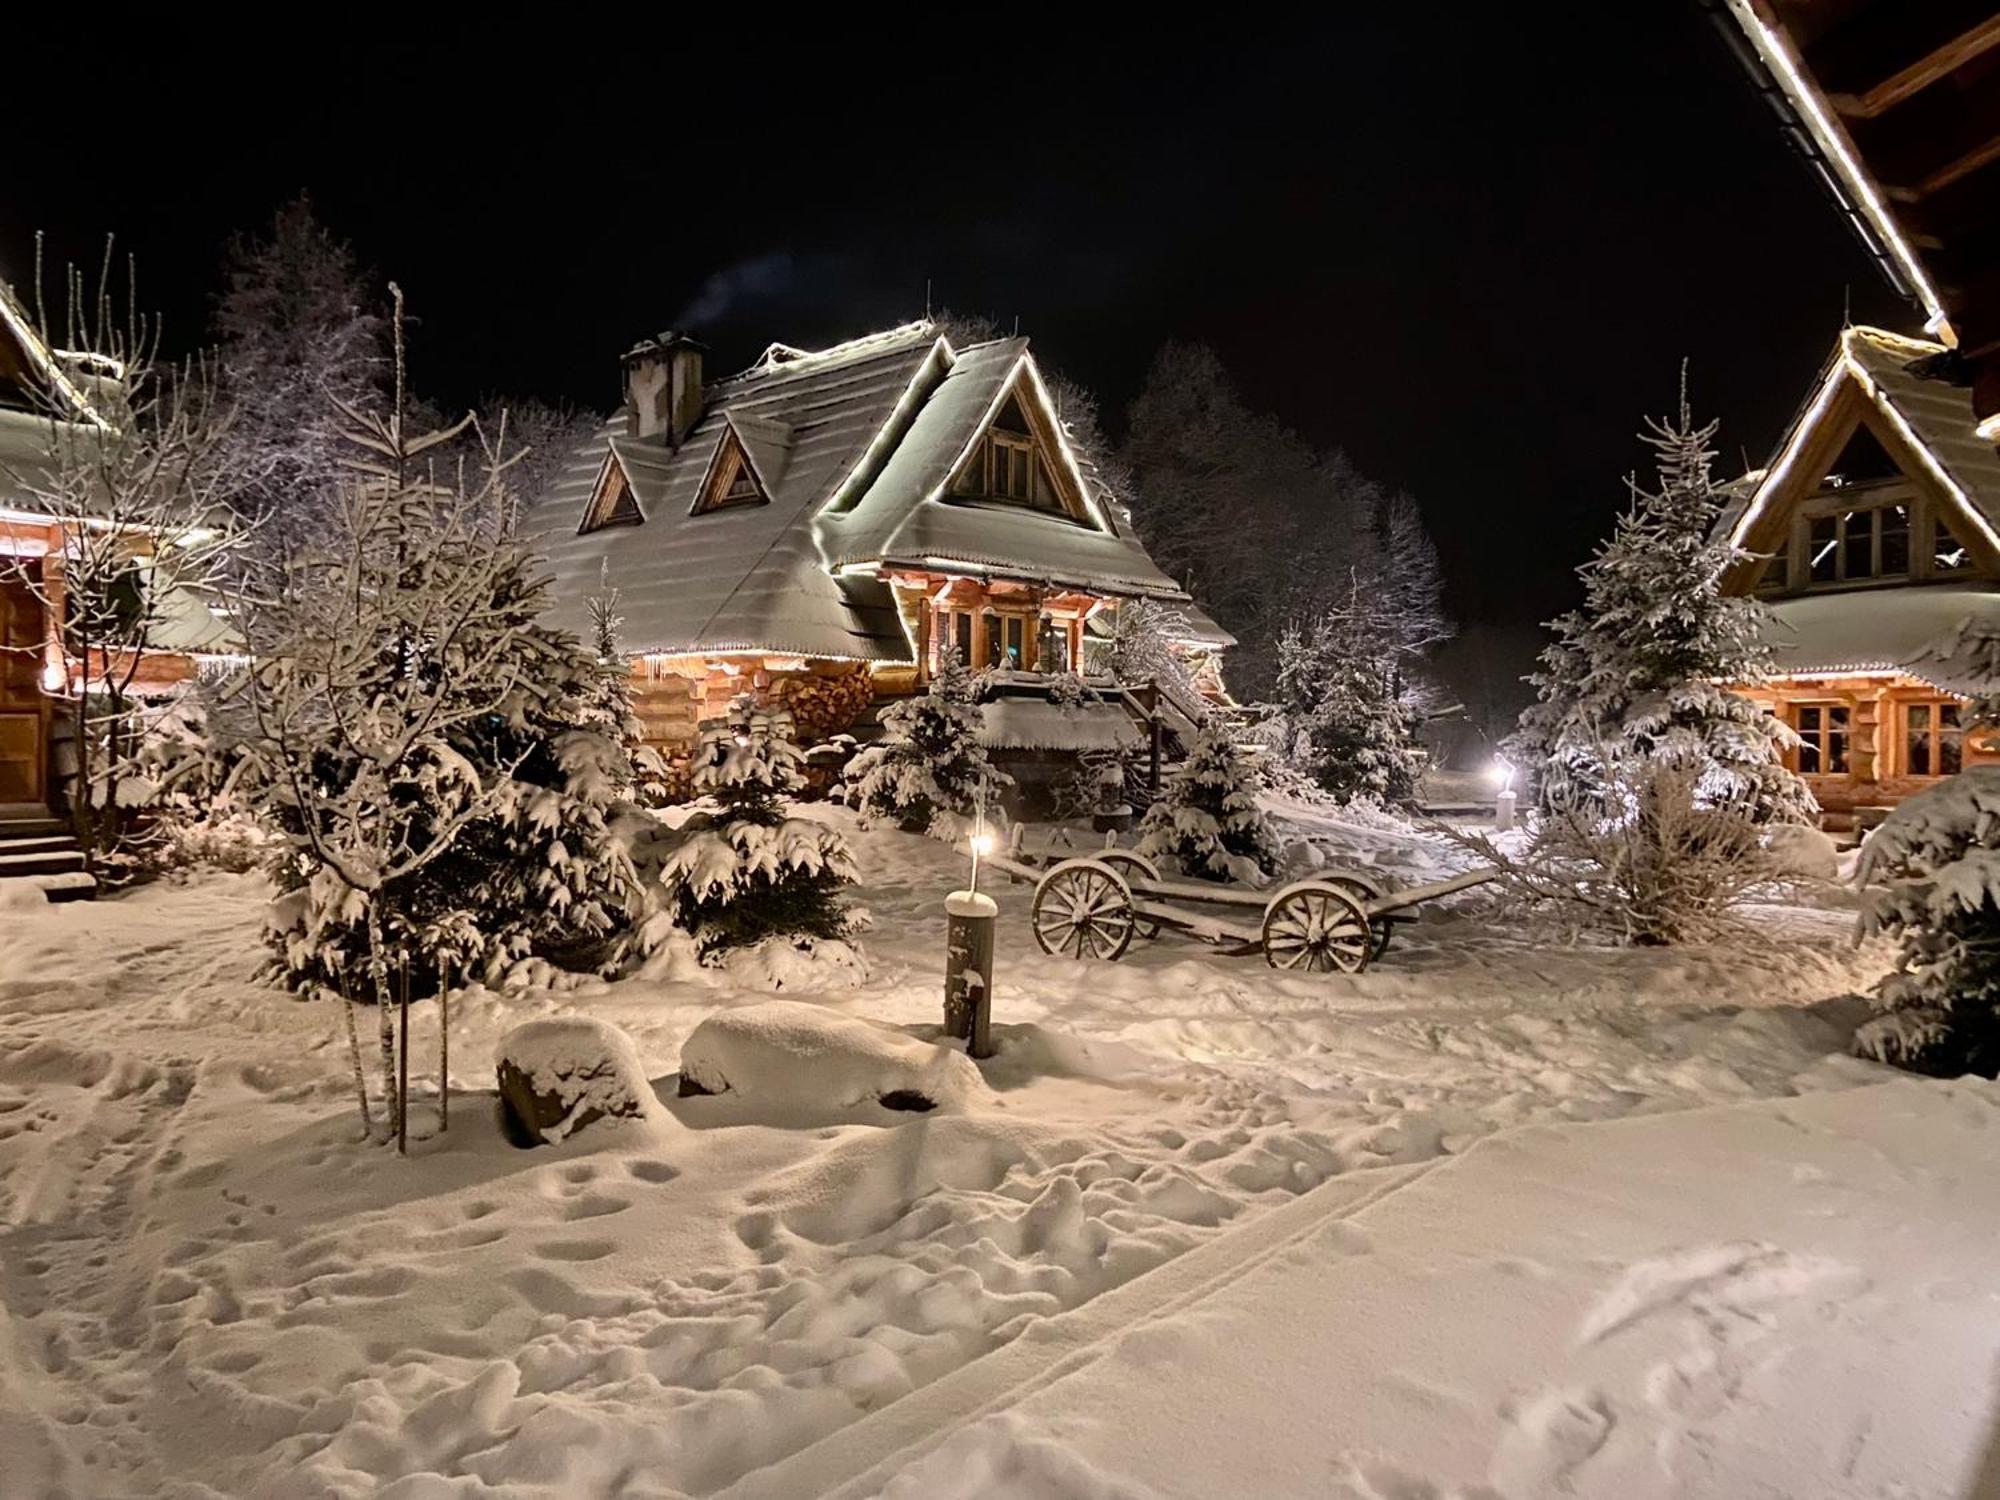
210 1288
1777 1299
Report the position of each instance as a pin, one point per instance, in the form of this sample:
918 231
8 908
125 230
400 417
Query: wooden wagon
1093 907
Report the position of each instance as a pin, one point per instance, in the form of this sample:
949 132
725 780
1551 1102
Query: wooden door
23 709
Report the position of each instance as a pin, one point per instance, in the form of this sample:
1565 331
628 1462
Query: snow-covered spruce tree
607 709
296 332
747 871
1935 862
416 734
1638 673
1207 817
1350 715
929 767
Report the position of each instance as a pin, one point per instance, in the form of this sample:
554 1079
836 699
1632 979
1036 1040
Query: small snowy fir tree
1936 861
1349 710
607 706
1207 816
1638 673
748 871
929 768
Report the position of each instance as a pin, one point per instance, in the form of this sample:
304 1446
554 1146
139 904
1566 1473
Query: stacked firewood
823 705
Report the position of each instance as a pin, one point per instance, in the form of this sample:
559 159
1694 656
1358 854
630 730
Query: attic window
1009 464
614 504
731 479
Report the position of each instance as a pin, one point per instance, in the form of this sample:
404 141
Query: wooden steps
40 850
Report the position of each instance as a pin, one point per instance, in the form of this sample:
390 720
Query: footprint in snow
1547 1439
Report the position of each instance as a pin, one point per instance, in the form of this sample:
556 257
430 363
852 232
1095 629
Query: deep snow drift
211 1288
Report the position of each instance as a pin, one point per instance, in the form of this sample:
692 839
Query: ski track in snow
210 1287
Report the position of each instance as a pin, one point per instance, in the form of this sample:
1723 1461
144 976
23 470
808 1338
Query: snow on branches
748 871
1639 672
930 767
1207 816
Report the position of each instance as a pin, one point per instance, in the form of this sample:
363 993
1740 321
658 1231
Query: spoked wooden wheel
1083 909
1317 927
1366 890
1134 867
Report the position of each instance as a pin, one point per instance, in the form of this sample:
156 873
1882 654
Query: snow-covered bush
558 1075
930 761
1207 816
1639 672
606 708
1937 861
1662 864
747 871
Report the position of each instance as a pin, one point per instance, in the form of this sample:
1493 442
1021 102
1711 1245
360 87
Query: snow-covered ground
210 1288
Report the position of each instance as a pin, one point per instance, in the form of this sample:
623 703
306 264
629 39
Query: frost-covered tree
1144 636
1936 863
416 729
607 708
929 767
1638 673
1349 713
1245 513
748 870
1207 816
128 465
296 332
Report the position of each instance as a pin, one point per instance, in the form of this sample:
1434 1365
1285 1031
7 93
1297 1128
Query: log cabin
1873 532
817 528
40 386
1876 523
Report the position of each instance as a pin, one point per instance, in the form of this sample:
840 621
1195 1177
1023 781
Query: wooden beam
1939 62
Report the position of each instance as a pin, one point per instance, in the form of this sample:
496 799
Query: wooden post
403 1068
1153 734
968 969
444 1045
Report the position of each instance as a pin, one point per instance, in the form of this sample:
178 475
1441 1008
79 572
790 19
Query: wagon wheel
1318 927
1134 867
1366 890
1083 909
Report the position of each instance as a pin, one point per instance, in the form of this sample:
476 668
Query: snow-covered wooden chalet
1876 530
818 527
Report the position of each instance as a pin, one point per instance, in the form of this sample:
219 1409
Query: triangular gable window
731 479
1863 459
613 503
1012 463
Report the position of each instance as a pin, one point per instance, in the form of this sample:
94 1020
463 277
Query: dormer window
613 503
731 479
1009 463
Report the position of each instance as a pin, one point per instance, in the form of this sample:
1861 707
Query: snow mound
787 1051
1803 852
558 1075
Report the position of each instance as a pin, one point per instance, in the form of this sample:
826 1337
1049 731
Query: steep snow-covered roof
853 447
1934 414
1873 630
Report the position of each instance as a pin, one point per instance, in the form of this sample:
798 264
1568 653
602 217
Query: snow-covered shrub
1663 864
1937 861
1639 672
556 1076
747 871
930 761
1207 816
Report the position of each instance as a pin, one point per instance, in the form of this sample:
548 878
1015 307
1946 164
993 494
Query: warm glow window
1822 730
1857 544
1934 737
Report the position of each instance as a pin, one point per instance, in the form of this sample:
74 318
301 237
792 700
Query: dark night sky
1467 243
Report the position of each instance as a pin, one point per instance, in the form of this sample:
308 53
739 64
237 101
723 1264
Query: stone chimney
663 386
